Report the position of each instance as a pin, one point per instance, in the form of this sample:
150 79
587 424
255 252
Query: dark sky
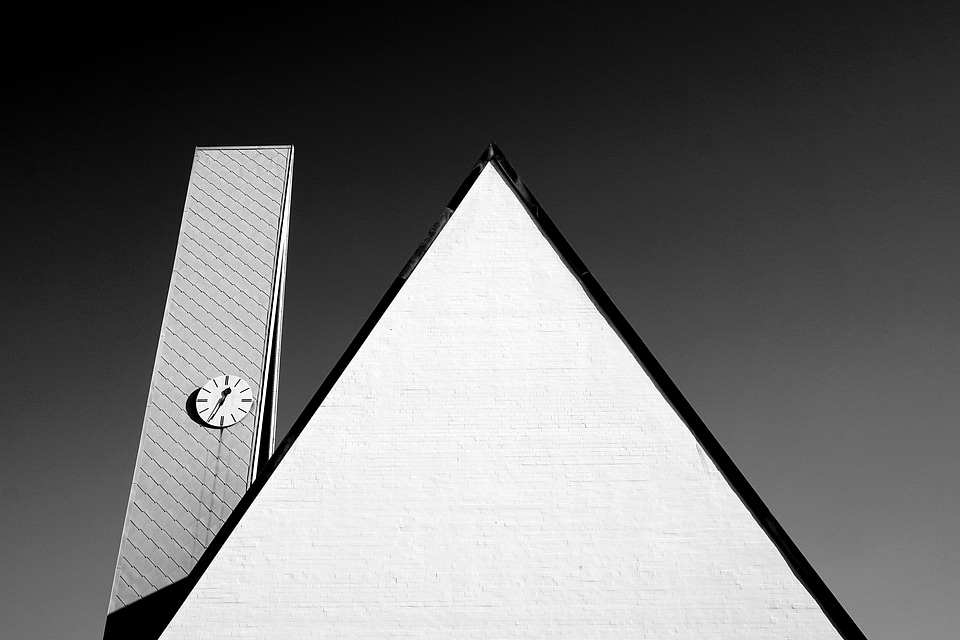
769 193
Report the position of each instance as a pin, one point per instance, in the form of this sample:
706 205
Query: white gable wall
495 463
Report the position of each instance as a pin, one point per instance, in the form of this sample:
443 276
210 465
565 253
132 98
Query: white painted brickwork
494 463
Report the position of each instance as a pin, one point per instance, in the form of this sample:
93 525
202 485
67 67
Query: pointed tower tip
490 153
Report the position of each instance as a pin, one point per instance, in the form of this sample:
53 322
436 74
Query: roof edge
798 563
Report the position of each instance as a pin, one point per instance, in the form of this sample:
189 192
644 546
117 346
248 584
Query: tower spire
209 421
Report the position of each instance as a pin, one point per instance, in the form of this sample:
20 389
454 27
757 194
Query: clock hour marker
221 421
246 400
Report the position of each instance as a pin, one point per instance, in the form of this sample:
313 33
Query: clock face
224 401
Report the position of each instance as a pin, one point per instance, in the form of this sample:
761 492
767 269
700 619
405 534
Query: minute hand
223 396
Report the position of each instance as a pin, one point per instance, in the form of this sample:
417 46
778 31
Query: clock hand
216 408
223 396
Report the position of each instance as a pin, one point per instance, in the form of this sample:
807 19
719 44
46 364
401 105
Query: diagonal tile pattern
217 321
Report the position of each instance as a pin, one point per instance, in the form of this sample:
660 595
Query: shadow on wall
191 408
148 617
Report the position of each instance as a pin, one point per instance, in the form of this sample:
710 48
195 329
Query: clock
224 401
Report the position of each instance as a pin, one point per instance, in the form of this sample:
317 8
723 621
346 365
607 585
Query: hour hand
223 396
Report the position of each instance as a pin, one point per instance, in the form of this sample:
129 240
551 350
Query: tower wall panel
218 319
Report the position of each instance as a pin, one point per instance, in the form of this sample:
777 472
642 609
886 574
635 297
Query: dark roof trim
492 155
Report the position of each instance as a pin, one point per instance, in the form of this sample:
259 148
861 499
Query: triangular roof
492 157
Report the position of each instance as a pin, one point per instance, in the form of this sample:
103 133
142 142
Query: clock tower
209 422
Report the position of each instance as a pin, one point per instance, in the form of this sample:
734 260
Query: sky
769 193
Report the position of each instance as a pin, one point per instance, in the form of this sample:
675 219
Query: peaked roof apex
493 155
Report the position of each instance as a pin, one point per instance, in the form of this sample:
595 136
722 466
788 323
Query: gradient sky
771 195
